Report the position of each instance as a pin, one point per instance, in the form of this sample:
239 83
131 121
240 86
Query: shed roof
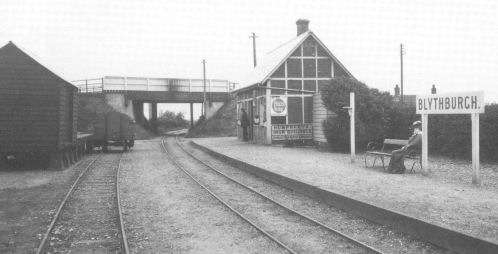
270 63
25 58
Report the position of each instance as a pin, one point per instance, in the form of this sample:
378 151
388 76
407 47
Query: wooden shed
281 94
38 111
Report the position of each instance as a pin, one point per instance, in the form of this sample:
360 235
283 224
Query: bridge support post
153 116
191 115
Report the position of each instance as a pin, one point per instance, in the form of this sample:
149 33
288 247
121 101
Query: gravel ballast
297 233
446 197
380 237
28 202
166 212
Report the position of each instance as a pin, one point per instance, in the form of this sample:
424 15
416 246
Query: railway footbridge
130 95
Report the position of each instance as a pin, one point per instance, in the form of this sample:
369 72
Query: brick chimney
302 26
396 90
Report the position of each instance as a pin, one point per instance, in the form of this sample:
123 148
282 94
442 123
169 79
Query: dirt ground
445 197
166 212
28 201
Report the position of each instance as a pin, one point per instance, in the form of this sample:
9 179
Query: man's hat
417 124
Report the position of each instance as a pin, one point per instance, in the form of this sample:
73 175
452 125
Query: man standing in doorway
244 123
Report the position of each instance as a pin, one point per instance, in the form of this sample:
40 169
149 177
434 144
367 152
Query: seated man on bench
397 163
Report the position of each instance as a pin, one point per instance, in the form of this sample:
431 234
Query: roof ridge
287 42
39 60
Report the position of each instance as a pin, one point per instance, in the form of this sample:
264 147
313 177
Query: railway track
89 218
305 232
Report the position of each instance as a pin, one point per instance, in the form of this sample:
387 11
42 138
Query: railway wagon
114 129
38 112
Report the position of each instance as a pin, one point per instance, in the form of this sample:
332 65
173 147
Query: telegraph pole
253 36
204 82
401 53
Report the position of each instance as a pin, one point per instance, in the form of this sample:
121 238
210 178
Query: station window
294 85
325 68
310 68
297 52
294 68
322 84
308 109
339 72
295 112
280 72
310 85
278 84
321 51
309 47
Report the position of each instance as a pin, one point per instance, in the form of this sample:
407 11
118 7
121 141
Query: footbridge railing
116 83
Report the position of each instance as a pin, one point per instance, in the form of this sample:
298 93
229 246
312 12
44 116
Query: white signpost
456 103
351 111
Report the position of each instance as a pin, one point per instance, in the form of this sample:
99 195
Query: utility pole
253 36
401 53
204 82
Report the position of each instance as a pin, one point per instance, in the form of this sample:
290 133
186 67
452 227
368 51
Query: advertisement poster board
278 106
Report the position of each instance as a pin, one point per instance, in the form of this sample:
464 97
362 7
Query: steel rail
120 212
178 165
337 232
41 247
43 243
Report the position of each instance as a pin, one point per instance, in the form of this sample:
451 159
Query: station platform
445 197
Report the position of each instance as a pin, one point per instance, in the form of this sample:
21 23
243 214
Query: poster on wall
291 131
278 106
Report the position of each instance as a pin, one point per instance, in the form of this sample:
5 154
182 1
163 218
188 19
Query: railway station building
281 95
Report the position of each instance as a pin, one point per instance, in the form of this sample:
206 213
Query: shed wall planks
35 108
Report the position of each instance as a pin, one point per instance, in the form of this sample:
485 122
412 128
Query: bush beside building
373 110
378 116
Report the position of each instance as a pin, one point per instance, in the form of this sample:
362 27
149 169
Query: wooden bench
380 151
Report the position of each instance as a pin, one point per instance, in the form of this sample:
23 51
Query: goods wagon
114 129
38 112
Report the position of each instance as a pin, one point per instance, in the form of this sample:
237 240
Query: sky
452 44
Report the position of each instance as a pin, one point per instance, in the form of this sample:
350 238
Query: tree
169 119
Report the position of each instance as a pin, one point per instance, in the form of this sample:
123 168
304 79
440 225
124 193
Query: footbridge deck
159 89
128 95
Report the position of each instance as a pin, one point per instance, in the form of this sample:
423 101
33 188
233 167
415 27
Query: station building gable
295 71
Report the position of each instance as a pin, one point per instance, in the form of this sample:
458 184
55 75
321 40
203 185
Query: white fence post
425 145
476 178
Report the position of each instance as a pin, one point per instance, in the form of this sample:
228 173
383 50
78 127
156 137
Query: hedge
378 117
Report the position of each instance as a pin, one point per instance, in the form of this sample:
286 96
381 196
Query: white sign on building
455 103
278 106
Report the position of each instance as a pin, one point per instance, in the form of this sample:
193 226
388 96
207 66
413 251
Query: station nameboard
278 106
454 103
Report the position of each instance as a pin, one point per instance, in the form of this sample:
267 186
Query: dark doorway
250 115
